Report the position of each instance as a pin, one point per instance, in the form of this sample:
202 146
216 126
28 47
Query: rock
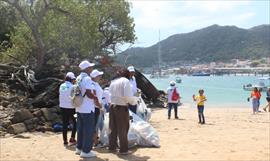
2 128
49 114
5 103
31 123
37 113
17 128
42 119
40 128
54 109
5 123
21 115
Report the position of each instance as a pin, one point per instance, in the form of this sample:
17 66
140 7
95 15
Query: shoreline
229 134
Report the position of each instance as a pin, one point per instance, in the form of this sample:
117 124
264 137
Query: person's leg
133 108
254 105
202 115
123 125
258 105
88 131
74 127
95 136
175 111
169 110
79 131
65 124
113 128
199 115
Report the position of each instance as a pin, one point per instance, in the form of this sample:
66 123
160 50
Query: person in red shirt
255 96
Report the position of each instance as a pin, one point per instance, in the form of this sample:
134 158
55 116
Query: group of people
255 97
173 98
117 99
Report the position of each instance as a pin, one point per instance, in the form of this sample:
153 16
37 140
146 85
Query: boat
178 80
158 74
201 74
262 84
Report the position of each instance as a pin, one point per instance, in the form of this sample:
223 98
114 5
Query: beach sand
229 134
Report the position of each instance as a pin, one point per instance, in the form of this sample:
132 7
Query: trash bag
142 111
147 135
57 127
140 132
104 135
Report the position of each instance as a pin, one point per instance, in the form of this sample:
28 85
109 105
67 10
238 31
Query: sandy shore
229 134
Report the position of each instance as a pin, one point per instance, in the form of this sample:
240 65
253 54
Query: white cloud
170 14
216 5
181 16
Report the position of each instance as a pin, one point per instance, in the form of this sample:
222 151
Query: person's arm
128 94
90 91
194 98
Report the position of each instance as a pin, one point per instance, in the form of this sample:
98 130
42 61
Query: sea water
221 91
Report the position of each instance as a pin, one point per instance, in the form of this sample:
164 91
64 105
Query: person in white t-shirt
96 76
132 81
86 112
121 97
173 99
67 108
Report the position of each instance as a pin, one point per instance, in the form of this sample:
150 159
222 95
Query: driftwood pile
28 104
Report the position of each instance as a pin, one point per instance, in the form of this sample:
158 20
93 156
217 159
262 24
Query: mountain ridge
212 43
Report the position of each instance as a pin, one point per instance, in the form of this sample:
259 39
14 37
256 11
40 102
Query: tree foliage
51 29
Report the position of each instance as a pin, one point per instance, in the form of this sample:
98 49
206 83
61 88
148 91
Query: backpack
76 95
175 95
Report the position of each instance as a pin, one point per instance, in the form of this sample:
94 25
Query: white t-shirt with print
99 91
88 105
64 95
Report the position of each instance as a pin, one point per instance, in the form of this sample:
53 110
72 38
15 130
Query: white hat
85 64
70 75
172 83
95 73
131 69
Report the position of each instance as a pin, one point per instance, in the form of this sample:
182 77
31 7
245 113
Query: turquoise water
219 90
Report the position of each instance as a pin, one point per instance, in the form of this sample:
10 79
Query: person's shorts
268 99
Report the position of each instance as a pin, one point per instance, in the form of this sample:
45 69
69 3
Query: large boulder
21 115
31 123
17 128
49 114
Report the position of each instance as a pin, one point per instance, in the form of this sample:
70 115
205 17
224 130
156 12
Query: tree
78 29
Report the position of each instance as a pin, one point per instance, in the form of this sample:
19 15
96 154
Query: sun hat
70 75
96 73
85 64
131 69
172 83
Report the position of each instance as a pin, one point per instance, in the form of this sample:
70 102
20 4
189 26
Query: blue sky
183 16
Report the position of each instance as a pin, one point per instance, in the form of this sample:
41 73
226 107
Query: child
200 105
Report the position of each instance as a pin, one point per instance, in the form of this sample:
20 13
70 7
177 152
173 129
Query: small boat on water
201 74
178 80
263 84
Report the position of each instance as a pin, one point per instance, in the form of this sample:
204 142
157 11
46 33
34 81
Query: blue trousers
85 131
200 113
170 106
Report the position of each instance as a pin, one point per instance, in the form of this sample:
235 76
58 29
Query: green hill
213 43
